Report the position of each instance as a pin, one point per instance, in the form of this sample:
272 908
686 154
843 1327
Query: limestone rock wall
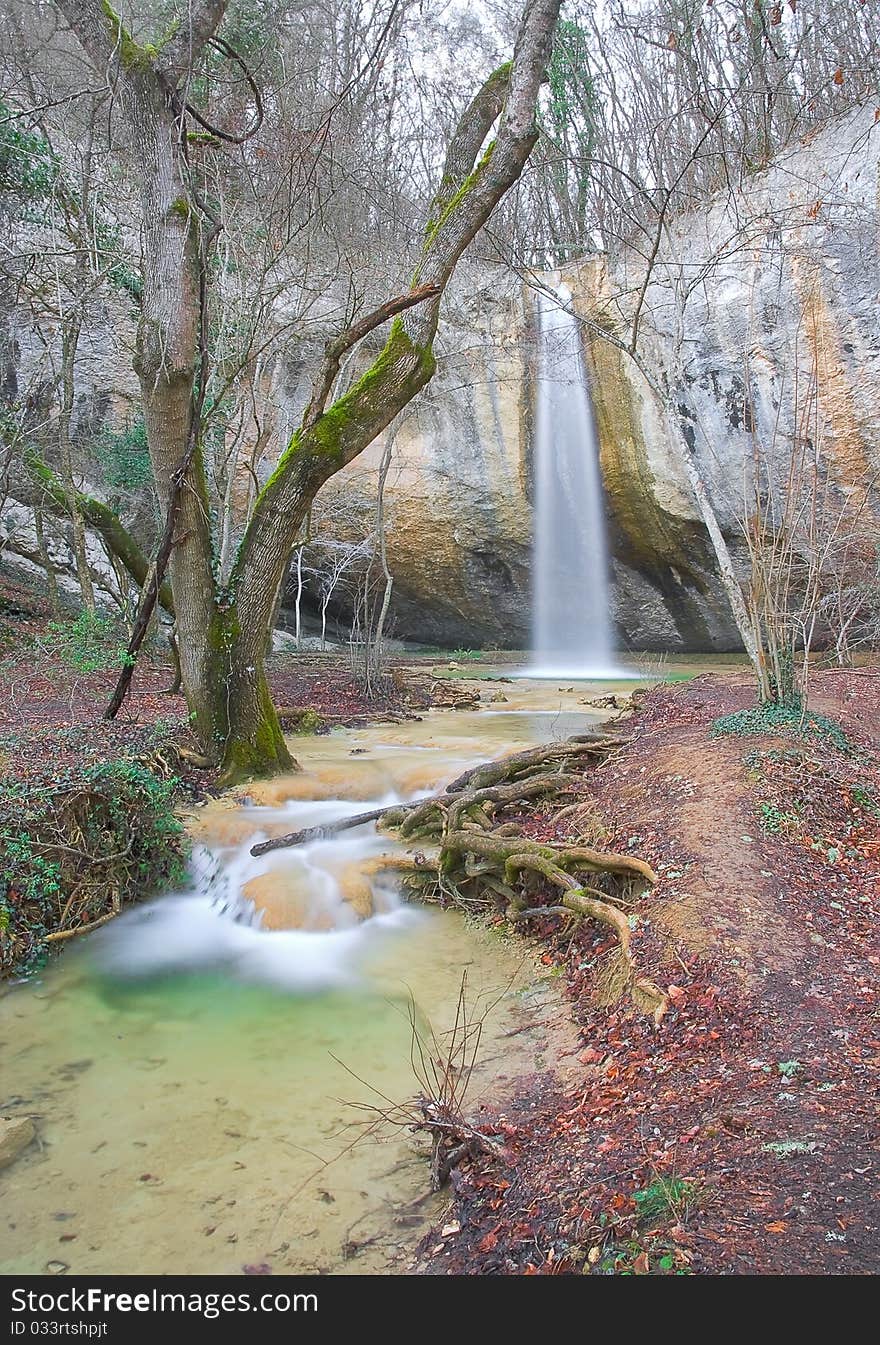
759 325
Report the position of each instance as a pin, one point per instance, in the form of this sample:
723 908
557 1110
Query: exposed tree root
502 849
197 759
60 935
599 745
452 1140
472 860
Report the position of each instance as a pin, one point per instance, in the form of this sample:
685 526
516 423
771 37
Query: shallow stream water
194 1078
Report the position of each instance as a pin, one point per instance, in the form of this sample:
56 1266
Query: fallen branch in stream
470 854
474 788
309 834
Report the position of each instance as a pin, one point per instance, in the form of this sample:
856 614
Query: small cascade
216 924
571 628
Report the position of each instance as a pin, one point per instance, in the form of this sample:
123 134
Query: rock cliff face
759 327
758 332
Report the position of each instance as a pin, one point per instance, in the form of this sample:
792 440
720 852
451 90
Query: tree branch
181 52
51 494
464 201
350 337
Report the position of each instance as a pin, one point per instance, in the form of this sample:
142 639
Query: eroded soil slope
739 1136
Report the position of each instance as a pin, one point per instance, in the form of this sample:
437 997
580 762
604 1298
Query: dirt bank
739 1136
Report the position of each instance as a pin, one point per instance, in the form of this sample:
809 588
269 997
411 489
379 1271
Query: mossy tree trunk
223 633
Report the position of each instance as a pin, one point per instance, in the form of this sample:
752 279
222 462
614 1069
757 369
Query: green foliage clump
78 844
308 723
29 167
663 1197
572 88
31 172
775 820
125 457
775 717
89 643
864 797
569 122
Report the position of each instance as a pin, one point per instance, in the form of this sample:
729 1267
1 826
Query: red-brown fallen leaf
487 1244
778 1227
676 994
590 1056
640 1265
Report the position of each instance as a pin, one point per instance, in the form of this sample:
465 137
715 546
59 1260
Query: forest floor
740 1135
52 707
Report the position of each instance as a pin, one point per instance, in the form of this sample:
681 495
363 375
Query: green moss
170 32
308 723
329 435
131 53
434 226
181 207
224 630
262 750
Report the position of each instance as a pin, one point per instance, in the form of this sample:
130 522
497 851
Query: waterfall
571 624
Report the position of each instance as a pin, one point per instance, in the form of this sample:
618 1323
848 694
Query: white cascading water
571 626
182 933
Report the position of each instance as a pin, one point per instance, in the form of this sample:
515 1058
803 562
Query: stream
198 1069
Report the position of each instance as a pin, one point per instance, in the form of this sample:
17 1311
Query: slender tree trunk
379 632
723 558
299 593
166 363
69 342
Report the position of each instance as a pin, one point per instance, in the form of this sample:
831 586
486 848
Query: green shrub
774 820
29 167
90 643
783 717
78 844
125 457
663 1197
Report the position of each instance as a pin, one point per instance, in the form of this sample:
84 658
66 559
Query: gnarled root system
469 853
